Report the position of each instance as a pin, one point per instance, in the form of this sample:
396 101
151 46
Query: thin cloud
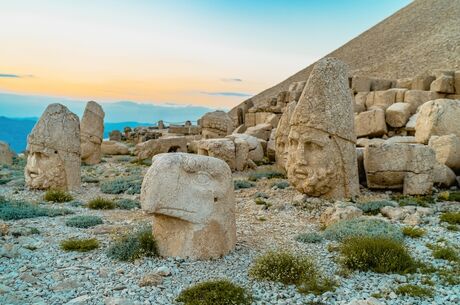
237 94
231 80
8 75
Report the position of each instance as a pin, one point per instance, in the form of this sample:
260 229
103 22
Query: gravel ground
34 270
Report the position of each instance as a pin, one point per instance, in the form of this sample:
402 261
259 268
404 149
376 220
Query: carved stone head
91 133
53 150
191 198
322 154
282 136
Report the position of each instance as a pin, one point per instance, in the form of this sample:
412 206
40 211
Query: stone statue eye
203 178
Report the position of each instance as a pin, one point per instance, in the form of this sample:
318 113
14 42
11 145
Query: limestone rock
371 123
115 135
410 125
114 148
416 98
443 84
322 155
363 142
53 150
422 81
405 83
382 100
256 152
457 82
402 139
381 84
146 150
91 133
282 136
399 94
222 148
438 118
361 84
216 124
443 176
192 201
398 114
261 131
6 154
360 102
447 149
271 146
389 165
334 214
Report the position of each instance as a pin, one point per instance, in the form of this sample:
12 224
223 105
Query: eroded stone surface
91 133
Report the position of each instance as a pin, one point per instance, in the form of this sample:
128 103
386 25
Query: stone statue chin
45 169
313 160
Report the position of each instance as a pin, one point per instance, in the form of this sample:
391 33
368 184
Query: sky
211 53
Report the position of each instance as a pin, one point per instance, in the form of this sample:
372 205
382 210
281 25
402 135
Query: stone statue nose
301 153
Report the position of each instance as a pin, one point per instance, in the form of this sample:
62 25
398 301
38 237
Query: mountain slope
422 36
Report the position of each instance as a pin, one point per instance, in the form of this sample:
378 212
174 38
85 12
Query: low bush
260 201
452 218
317 285
134 245
413 232
57 196
13 210
268 174
449 196
127 204
242 184
362 227
415 291
215 292
89 179
100 203
309 238
373 207
261 195
378 254
281 184
453 228
420 200
129 185
80 245
84 221
445 253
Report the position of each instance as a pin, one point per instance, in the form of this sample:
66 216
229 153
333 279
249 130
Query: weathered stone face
282 136
322 155
53 150
192 200
91 133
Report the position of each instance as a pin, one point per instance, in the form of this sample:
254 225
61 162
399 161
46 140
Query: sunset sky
211 53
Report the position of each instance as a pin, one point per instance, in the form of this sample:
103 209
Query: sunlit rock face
91 133
53 150
282 136
321 159
192 201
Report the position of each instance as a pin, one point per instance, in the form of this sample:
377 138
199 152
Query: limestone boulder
416 98
256 152
261 131
399 94
405 83
400 166
437 118
114 148
363 142
423 81
150 148
447 149
53 150
398 114
271 146
91 133
360 102
322 158
443 176
6 154
371 123
443 84
192 201
216 124
335 214
222 148
402 139
361 84
378 84
410 125
382 99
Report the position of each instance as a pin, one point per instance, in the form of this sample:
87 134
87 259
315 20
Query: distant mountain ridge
14 131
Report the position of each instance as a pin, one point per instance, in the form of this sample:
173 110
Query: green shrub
242 184
413 232
414 291
100 203
80 245
13 210
129 185
216 292
134 245
453 228
362 227
89 179
264 161
283 267
260 201
452 218
309 238
378 254
57 196
419 200
127 204
84 221
445 253
449 196
268 174
317 285
281 184
373 207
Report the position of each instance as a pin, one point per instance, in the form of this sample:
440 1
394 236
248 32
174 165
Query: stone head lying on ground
192 201
53 150
322 155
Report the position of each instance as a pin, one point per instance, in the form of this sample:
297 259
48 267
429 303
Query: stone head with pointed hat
322 154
